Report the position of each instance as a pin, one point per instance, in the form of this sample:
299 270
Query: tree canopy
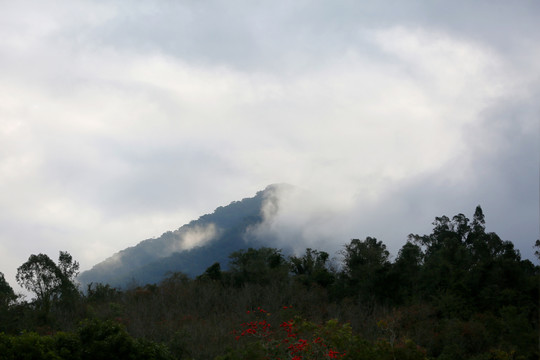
459 292
47 280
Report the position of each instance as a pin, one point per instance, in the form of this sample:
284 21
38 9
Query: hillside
459 292
189 249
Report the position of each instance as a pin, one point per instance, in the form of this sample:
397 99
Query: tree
460 225
40 276
48 281
68 271
213 272
479 223
7 299
7 295
69 268
362 257
312 268
405 271
365 266
468 269
261 266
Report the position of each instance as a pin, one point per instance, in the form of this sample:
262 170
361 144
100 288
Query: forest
460 292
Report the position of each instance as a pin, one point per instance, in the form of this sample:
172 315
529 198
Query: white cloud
197 236
119 122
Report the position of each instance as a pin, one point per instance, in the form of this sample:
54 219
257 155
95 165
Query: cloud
193 237
454 157
120 121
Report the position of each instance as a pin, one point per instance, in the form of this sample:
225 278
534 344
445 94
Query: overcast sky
120 120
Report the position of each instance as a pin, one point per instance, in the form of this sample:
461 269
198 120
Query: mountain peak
193 247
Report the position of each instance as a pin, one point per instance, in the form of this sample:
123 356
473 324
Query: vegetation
457 293
145 263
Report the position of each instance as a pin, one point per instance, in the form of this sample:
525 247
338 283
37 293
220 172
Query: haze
120 120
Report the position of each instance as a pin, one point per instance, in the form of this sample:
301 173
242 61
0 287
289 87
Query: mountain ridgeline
190 249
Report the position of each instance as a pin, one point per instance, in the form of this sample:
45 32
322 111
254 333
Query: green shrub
94 340
107 340
31 346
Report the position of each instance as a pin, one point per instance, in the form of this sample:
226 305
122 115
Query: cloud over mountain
118 121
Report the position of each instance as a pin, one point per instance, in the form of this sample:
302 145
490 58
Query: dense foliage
458 293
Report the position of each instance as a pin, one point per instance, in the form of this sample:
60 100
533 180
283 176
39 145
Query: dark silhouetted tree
312 268
213 272
68 271
7 295
261 266
405 272
48 281
40 275
365 267
7 299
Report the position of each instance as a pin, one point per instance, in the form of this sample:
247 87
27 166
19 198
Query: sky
120 120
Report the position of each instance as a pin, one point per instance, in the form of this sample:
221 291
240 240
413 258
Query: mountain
192 248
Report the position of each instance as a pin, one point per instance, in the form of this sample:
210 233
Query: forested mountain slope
459 292
189 249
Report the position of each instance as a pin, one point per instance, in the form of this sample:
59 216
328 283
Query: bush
29 346
299 339
94 340
108 340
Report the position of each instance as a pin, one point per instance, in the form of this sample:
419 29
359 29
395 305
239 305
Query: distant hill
192 248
